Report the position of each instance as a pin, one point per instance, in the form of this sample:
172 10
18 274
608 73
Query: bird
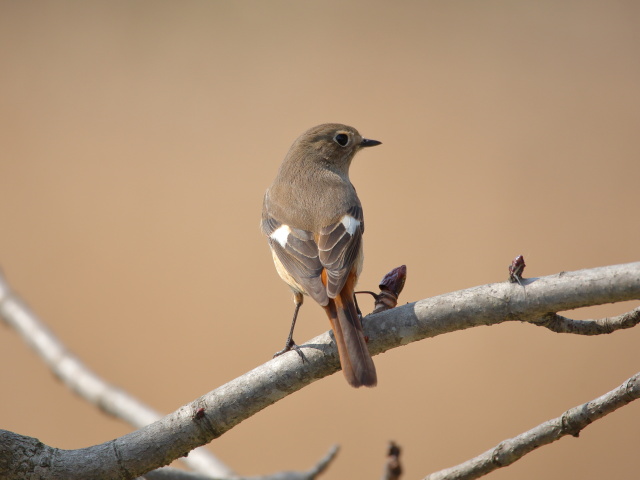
313 220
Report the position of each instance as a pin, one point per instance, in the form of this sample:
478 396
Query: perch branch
215 413
497 303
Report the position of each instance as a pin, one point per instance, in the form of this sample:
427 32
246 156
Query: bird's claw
291 345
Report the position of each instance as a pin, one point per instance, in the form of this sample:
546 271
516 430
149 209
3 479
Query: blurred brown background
137 139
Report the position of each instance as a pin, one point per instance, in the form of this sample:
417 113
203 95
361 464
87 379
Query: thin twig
559 324
168 473
571 422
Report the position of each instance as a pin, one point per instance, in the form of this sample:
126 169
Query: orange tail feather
356 361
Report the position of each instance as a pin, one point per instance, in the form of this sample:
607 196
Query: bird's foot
290 345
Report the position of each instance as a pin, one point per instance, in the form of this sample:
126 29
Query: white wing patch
281 234
350 224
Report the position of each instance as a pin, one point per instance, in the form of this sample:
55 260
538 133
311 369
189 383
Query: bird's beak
369 143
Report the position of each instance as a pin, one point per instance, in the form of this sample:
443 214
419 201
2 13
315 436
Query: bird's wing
339 246
298 252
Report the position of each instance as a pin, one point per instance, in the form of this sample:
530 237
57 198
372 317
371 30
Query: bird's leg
290 343
355 300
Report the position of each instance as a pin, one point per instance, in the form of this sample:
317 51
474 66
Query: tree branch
174 474
496 303
86 383
559 324
215 413
570 422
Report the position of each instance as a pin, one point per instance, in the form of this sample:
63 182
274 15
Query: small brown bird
313 221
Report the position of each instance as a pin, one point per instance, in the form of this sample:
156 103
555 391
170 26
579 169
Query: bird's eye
341 139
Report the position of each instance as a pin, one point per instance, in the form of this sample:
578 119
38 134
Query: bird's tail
356 361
